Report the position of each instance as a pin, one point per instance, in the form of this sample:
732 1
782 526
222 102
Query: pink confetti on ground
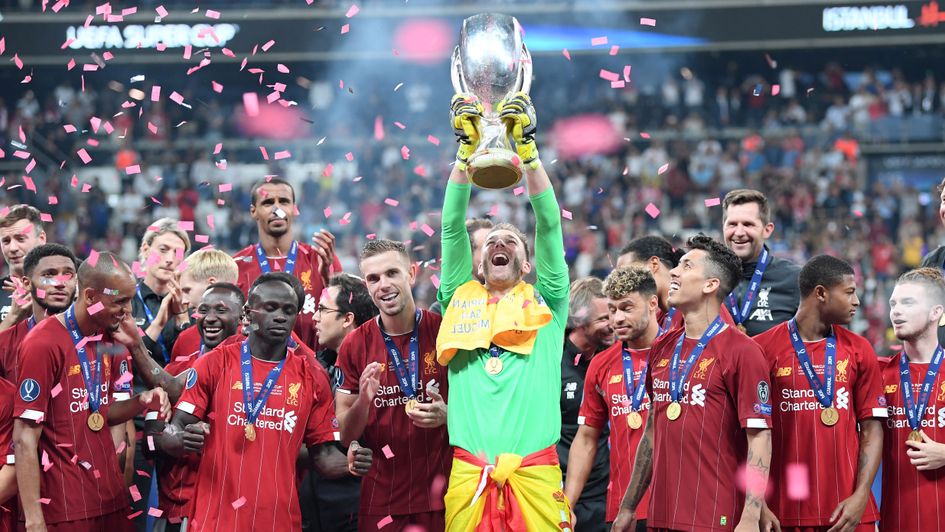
652 210
663 169
647 21
392 202
238 503
384 522
96 308
599 41
387 452
712 202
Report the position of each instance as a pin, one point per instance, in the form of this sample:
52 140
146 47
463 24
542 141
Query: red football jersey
605 401
8 510
188 342
251 485
306 269
829 454
177 477
913 500
81 477
400 478
696 457
10 341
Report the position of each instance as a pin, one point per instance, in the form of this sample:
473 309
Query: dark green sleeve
456 265
550 267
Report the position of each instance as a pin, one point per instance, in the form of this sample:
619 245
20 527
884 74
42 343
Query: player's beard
639 328
513 270
49 309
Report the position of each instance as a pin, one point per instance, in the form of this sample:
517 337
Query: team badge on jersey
764 392
29 390
191 378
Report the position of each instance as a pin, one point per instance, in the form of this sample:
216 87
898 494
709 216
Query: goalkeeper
502 344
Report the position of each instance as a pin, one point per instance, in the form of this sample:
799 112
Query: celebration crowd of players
709 388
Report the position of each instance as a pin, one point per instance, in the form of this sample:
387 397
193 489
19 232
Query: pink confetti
712 202
566 214
614 49
161 11
96 308
84 155
177 98
251 103
56 390
433 140
647 21
217 88
387 452
268 45
345 29
349 156
652 210
775 89
155 512
566 54
93 258
384 522
663 169
352 11
609 76
185 225
378 128
626 72
644 135
518 191
135 494
225 187
405 152
133 169
284 154
45 501
327 212
599 41
436 281
238 503
69 128
282 68
213 14
392 202
427 230
798 484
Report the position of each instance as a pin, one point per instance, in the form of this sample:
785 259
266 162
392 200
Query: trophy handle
456 73
526 83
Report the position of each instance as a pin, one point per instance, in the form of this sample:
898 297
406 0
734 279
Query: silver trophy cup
492 62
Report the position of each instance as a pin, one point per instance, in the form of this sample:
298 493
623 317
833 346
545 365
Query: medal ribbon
823 390
676 380
148 314
91 382
635 390
30 323
255 405
741 315
406 376
289 261
915 411
667 322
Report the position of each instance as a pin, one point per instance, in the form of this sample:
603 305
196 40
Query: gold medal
829 416
742 328
494 366
674 411
411 405
915 436
250 432
96 421
635 420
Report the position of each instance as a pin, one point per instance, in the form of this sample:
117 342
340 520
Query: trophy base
495 169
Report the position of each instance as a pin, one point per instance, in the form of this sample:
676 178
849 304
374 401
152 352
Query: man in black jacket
768 293
936 257
332 505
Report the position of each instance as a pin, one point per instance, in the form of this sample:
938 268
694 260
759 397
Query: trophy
492 62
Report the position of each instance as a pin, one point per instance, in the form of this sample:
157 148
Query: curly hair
624 281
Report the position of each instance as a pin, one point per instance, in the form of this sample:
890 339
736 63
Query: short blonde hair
207 263
160 227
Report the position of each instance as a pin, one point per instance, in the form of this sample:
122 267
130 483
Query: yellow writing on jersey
614 379
784 372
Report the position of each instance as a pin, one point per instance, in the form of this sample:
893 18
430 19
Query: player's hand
848 513
324 246
626 521
369 383
195 436
155 399
769 521
127 333
359 459
927 454
176 303
465 113
518 113
429 415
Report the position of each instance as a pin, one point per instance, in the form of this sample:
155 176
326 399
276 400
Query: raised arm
456 265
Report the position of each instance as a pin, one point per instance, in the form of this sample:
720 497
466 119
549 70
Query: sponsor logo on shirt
614 379
80 397
570 389
694 394
797 400
191 378
784 372
663 363
293 398
703 367
891 388
278 419
308 306
29 390
74 370
697 395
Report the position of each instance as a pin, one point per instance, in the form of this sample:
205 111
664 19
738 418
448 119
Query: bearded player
829 406
615 390
502 343
913 452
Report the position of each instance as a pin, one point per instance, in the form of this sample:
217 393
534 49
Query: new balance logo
697 395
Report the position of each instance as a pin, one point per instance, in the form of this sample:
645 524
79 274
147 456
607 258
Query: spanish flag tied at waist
475 320
515 495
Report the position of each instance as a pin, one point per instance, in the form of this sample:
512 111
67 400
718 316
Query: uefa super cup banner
492 62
